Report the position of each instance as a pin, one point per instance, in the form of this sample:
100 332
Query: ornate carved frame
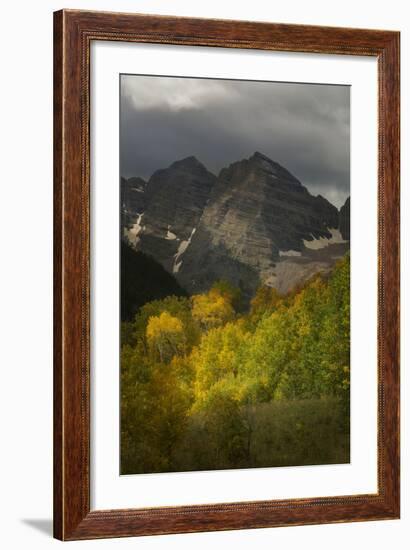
73 33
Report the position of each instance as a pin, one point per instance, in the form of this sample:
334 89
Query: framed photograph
226 259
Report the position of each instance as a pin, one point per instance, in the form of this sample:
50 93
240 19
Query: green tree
269 353
155 404
230 292
266 300
223 424
218 356
336 331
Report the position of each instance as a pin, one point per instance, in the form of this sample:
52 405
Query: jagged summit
188 163
191 159
255 223
262 160
259 163
259 155
272 167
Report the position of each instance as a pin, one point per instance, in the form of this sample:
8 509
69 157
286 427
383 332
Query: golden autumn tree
165 336
178 307
218 356
212 309
208 384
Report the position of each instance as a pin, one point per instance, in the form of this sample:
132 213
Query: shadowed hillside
143 280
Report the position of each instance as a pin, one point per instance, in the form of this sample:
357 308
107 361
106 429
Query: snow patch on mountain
176 267
170 236
133 232
322 242
181 249
290 253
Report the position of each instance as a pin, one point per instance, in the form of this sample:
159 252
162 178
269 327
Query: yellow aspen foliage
212 309
165 335
208 385
164 323
219 356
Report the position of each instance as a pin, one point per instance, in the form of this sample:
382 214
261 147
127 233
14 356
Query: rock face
132 198
174 202
257 213
253 224
344 220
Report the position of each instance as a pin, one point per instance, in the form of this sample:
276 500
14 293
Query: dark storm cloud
304 127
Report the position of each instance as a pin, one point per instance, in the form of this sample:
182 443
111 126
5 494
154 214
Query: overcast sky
304 127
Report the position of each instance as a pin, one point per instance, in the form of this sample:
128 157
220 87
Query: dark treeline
143 280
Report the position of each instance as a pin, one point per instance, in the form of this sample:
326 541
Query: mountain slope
257 216
143 280
174 201
253 224
344 220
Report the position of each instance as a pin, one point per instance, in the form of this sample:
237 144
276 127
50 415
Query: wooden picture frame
74 32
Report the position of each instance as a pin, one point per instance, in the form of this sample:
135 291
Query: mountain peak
257 155
272 167
344 219
238 226
188 162
323 199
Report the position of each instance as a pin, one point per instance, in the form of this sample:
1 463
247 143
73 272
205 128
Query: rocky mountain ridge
254 223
